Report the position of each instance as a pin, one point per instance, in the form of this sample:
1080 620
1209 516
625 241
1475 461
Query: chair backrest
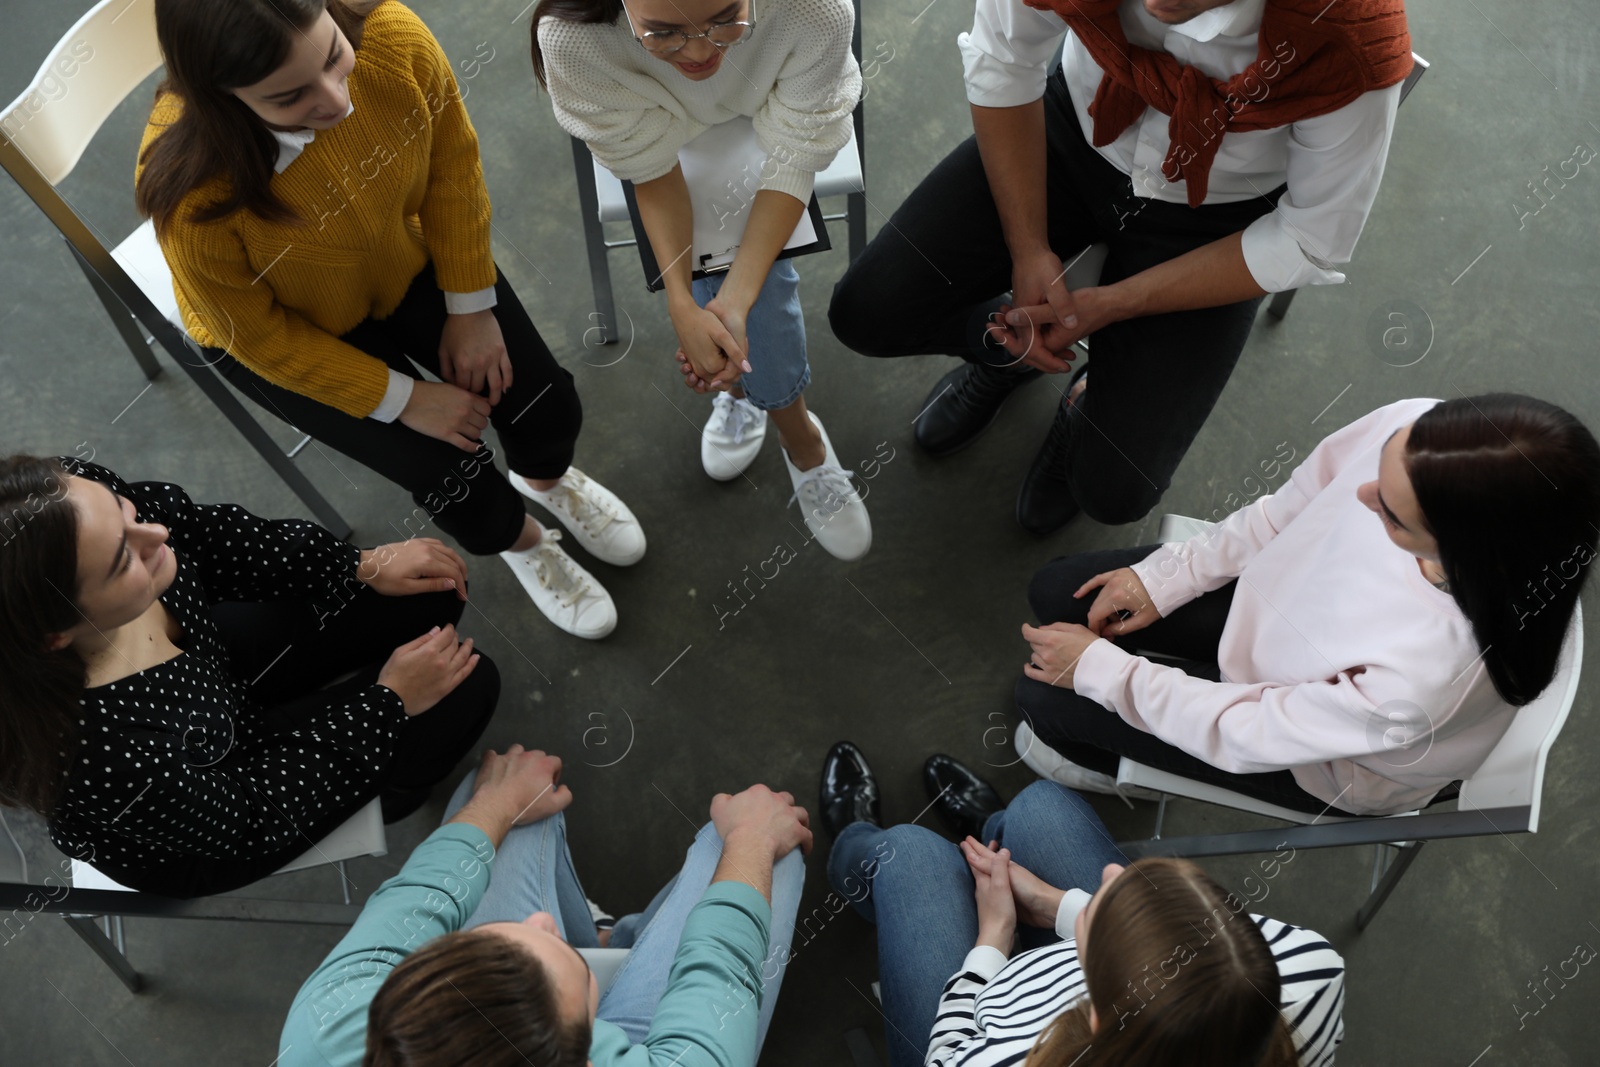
1513 775
1419 67
104 57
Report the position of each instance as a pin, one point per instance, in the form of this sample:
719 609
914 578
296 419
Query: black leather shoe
964 403
963 800
1045 502
849 791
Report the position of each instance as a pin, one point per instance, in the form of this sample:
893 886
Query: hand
1036 900
420 565
1035 335
447 412
997 911
472 354
1038 338
1123 599
521 786
425 671
713 354
760 811
1056 651
690 378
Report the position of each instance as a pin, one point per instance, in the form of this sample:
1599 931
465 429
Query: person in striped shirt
1159 965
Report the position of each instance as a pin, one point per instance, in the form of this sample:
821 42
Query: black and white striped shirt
994 1009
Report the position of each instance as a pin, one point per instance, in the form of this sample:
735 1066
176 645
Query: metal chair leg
1405 855
217 391
594 240
84 926
1278 307
120 317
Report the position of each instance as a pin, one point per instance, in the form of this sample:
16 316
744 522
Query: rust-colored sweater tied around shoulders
1314 57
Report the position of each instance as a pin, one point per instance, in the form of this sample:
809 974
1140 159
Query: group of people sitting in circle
192 695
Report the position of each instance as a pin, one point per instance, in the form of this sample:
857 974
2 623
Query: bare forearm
668 217
1210 276
747 858
488 817
773 217
1011 141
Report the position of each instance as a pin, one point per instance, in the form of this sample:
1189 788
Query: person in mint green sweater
468 954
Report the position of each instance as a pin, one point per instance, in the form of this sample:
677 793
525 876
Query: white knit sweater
795 77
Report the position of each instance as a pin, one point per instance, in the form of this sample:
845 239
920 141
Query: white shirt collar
1242 18
293 142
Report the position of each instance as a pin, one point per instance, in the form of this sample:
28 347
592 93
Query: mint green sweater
718 962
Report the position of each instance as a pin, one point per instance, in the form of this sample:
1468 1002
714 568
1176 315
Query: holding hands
1048 319
420 565
712 344
1034 900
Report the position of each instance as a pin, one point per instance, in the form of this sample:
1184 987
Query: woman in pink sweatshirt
1353 643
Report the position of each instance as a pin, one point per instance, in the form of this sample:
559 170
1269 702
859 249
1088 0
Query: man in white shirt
1282 115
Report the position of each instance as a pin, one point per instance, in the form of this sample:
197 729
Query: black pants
538 421
1095 737
930 279
294 686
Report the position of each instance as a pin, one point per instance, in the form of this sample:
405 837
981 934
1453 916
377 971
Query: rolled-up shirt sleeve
1334 168
1009 52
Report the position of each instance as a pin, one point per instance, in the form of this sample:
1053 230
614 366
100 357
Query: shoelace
556 570
728 409
584 509
826 486
985 385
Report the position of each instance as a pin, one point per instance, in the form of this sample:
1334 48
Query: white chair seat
359 835
842 176
141 257
605 963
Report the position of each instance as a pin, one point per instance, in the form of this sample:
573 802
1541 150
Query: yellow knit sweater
396 183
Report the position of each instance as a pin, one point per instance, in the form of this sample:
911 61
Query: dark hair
1510 488
40 689
1218 1008
472 997
212 47
586 11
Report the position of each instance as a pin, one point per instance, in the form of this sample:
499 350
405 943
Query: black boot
1045 502
849 791
963 800
964 403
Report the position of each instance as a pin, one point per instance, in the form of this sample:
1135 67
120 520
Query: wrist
996 938
367 566
1127 299
485 811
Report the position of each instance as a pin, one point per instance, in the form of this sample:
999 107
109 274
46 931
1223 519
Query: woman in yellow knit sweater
317 192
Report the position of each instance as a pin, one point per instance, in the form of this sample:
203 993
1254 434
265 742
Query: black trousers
1094 737
942 266
293 687
538 421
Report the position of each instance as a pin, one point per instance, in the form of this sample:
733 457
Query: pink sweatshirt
1339 660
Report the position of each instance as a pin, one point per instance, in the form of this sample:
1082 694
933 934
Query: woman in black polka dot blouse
176 689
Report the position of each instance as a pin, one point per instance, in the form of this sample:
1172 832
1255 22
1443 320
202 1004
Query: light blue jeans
917 888
533 872
775 331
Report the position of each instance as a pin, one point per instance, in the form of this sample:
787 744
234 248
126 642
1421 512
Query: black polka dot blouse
174 760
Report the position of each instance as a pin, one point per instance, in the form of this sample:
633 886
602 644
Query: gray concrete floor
912 650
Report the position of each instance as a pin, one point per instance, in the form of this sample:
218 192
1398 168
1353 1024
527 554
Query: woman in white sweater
640 79
1354 642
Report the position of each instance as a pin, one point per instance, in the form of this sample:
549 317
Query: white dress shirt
1332 163
291 143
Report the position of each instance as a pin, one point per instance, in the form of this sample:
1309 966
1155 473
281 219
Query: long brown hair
472 997
586 11
1510 488
1177 972
212 47
40 689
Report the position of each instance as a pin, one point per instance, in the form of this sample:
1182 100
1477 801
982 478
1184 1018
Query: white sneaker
593 514
832 508
732 437
567 594
1046 762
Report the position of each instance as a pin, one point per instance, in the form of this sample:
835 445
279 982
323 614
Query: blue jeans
775 331
533 872
915 885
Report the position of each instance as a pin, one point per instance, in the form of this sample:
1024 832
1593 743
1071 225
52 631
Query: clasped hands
1123 606
1007 892
1047 319
713 350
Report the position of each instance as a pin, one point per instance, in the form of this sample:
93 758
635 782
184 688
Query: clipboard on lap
722 168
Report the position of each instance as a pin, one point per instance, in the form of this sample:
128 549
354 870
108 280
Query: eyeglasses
723 35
